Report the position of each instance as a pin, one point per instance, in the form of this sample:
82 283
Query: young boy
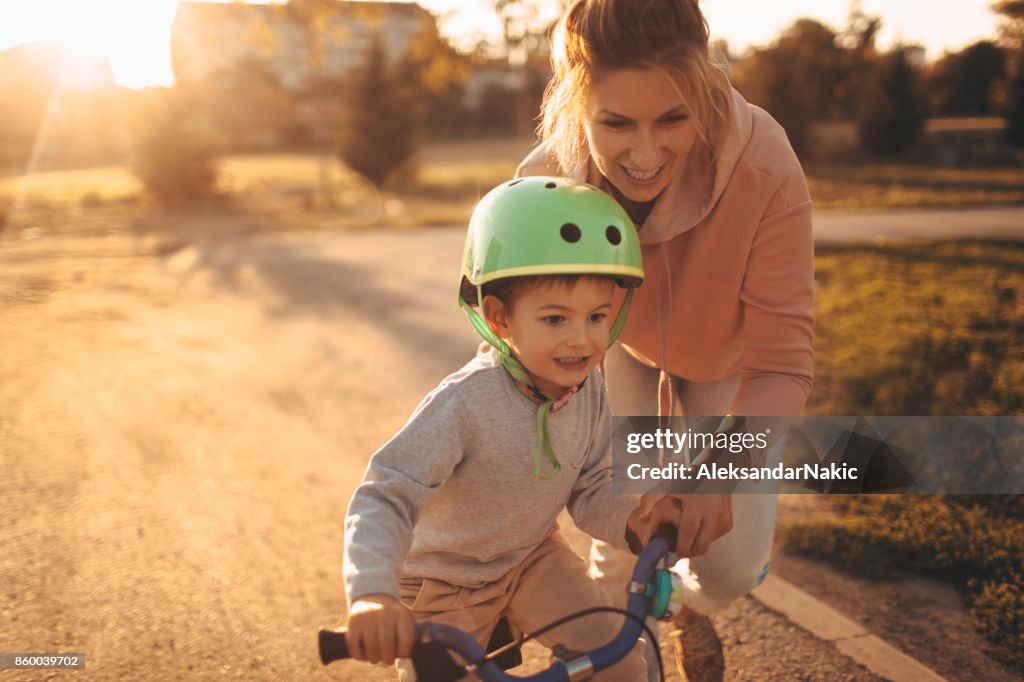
455 521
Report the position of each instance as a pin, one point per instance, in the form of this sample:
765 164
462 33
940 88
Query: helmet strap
508 361
620 319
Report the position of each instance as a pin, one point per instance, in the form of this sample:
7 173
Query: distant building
503 99
226 47
211 38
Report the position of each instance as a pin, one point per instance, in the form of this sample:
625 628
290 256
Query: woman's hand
380 629
701 520
646 519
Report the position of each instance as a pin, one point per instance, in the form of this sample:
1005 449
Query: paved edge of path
851 638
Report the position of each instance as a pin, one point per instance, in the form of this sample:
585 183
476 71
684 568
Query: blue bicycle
654 591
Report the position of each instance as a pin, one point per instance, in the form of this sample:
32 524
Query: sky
135 34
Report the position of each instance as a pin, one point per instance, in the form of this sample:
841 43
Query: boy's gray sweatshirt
460 472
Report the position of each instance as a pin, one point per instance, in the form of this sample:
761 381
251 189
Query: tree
317 22
891 114
175 161
381 132
962 83
249 106
861 30
1011 31
857 41
438 73
1011 25
1013 105
524 40
765 80
795 79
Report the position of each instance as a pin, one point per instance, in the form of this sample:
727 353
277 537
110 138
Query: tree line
813 74
809 76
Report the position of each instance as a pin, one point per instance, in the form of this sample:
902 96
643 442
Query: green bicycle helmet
546 226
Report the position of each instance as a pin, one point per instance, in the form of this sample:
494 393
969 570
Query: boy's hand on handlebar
380 629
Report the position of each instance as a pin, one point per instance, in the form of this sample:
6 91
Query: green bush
175 161
382 130
999 609
967 543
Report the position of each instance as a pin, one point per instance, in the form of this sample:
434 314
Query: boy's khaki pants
551 583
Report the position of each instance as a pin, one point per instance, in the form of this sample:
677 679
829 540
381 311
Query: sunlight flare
133 34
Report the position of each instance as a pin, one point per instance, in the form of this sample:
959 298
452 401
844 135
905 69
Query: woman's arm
776 372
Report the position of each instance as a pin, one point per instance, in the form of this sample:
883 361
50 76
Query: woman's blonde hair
597 36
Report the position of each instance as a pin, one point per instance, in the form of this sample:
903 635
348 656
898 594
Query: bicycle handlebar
432 660
434 663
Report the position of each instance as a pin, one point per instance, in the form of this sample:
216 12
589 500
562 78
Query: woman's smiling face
638 130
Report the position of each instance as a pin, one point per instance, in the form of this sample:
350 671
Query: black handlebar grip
430 659
667 532
333 645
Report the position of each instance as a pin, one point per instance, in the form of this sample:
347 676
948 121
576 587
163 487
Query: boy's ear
496 314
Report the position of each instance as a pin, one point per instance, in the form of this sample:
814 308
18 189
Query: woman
723 324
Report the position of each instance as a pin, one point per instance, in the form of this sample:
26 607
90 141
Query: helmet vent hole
571 233
514 182
614 235
550 185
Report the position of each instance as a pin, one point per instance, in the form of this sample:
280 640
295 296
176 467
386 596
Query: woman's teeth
641 175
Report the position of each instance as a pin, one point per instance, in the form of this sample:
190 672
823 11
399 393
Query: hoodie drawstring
665 398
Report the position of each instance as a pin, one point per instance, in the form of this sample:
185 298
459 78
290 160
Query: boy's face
559 332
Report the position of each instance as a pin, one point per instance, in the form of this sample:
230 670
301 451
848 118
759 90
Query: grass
284 189
925 329
890 185
890 316
104 184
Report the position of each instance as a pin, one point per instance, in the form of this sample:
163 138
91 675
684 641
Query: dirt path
181 427
987 222
180 437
